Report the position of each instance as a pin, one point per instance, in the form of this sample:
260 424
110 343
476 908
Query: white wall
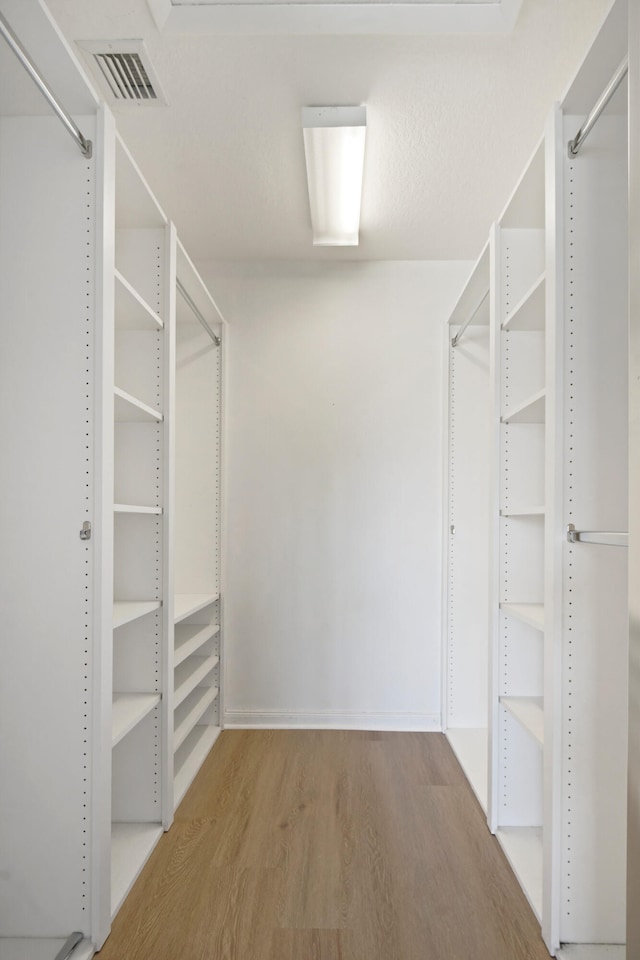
334 427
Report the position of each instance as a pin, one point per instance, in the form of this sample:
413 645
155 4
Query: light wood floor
322 845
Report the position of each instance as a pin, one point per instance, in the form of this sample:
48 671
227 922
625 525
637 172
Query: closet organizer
536 649
111 387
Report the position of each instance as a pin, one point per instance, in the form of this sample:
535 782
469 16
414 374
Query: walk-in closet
256 482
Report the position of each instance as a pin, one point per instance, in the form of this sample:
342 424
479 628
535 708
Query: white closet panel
48 198
595 624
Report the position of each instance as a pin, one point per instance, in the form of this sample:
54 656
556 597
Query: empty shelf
190 757
131 845
474 293
529 711
529 312
190 674
132 311
531 411
530 613
524 511
127 408
186 604
189 637
124 611
471 747
133 508
523 850
128 710
136 207
190 712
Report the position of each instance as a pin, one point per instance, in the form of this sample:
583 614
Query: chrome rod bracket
608 538
69 946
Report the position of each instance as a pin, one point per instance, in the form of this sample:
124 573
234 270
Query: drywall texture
334 426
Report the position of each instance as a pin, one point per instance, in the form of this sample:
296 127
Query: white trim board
591 951
328 720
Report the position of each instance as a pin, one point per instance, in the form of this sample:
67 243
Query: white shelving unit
558 611
88 371
197 606
466 518
141 676
517 593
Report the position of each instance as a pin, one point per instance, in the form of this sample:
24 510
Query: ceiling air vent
125 70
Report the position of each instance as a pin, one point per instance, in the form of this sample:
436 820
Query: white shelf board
189 674
136 207
131 846
591 951
127 409
523 511
124 611
186 604
190 757
128 710
523 849
529 312
528 711
190 712
530 613
42 948
471 747
189 637
135 508
531 411
474 290
132 311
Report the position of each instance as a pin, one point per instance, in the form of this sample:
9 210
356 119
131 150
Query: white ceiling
452 120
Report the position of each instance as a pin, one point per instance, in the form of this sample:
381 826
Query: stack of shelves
140 482
519 490
467 526
197 649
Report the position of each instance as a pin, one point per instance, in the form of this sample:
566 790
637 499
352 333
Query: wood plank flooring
327 845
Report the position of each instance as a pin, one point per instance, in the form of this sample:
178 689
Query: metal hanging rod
28 64
597 536
197 314
72 942
586 128
454 340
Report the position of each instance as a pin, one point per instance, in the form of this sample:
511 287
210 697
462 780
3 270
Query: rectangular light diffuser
334 150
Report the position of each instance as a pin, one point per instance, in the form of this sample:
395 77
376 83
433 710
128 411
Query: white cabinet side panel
595 599
47 262
468 587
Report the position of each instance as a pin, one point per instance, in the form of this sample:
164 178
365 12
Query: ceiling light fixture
334 151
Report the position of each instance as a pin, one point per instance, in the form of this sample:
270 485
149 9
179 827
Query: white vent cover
125 70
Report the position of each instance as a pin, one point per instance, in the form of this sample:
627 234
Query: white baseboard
328 720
